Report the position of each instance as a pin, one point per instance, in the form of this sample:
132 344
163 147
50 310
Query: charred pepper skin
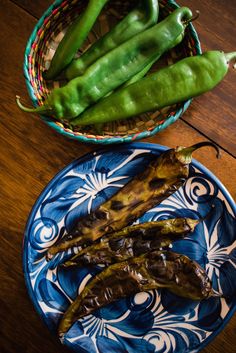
186 79
136 21
133 241
74 38
155 270
164 175
114 68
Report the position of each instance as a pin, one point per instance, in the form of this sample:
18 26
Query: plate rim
86 156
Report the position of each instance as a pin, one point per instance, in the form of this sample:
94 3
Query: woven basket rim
89 138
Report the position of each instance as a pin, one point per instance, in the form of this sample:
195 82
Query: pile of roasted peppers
106 83
135 257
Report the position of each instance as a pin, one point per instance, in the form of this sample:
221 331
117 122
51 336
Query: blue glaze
154 321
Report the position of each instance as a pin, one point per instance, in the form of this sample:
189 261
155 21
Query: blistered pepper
133 241
162 177
114 68
155 270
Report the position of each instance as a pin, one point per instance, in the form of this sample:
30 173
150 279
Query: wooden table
31 155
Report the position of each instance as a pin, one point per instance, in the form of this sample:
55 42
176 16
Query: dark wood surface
31 155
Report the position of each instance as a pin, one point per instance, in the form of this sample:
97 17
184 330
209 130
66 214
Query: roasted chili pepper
158 269
74 38
137 20
176 83
114 68
160 179
134 241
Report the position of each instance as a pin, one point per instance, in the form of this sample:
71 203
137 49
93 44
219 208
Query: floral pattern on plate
148 322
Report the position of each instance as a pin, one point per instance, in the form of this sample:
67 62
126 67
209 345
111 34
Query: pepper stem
184 154
40 109
231 56
186 22
215 293
194 222
202 219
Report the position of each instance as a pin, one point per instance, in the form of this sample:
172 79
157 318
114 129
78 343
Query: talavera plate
154 321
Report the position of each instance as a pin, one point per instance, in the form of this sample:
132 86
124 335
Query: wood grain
31 154
213 113
36 8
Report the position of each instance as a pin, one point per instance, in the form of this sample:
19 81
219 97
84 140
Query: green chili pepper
114 68
158 269
139 19
176 83
74 38
134 241
143 72
163 176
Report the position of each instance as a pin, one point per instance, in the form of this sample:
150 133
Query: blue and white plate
154 321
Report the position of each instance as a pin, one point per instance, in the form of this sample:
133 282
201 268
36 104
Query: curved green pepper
163 176
74 38
139 19
176 83
158 269
134 241
114 68
143 72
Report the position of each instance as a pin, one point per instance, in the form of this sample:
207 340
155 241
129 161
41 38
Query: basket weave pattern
44 41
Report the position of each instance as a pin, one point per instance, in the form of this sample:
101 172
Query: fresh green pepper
163 176
114 68
155 270
176 83
143 72
139 19
133 241
74 38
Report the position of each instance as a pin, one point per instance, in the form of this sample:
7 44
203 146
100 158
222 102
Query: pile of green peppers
107 82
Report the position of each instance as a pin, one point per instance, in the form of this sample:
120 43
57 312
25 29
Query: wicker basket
44 41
